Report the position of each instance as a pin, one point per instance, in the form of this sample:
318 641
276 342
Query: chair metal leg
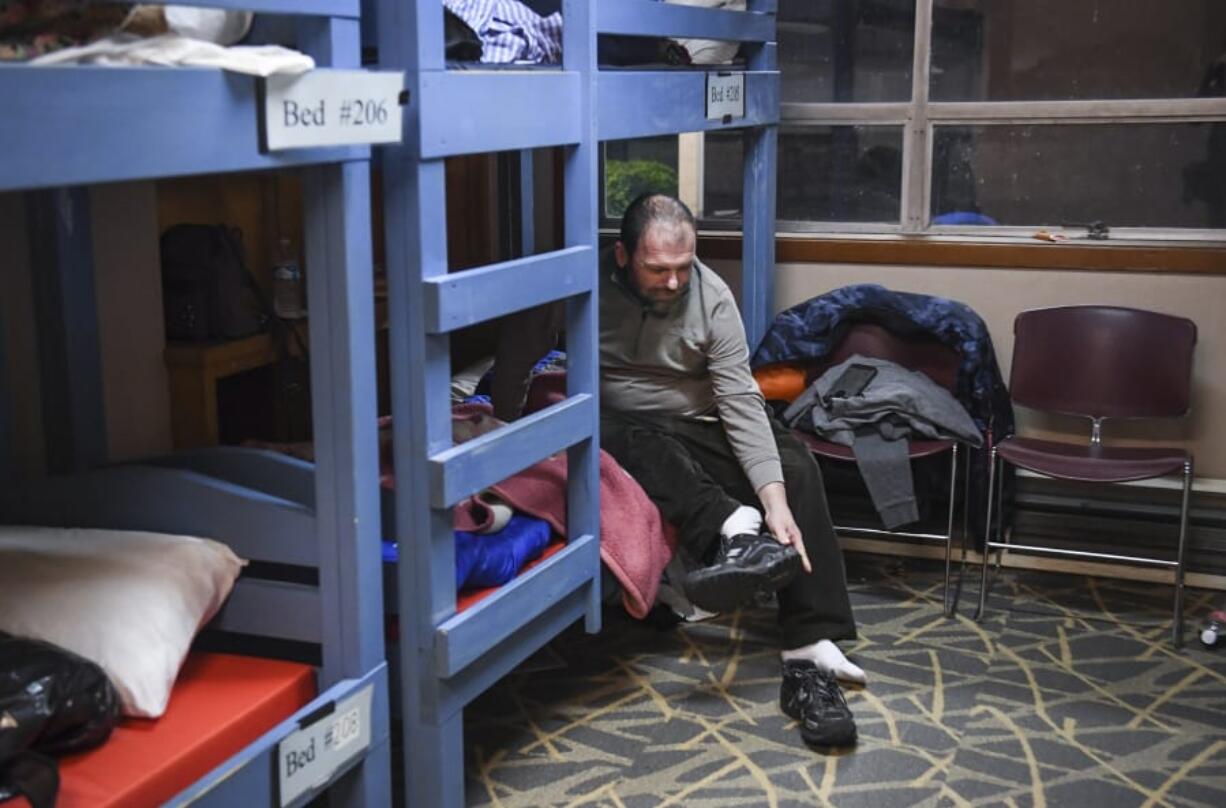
1002 536
1177 634
987 536
949 528
966 525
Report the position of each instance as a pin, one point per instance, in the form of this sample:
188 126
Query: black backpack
207 290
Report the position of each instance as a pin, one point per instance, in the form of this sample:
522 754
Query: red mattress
220 704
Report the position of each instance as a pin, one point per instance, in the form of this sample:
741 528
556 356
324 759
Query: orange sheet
220 703
783 382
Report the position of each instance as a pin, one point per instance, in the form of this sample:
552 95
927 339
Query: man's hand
779 519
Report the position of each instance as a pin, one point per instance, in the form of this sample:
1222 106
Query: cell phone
851 382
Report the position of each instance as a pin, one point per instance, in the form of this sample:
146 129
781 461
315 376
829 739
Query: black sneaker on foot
744 565
813 698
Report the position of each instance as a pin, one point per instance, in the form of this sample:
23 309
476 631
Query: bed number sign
310 756
725 96
332 108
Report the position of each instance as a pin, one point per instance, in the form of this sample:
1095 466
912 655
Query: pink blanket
635 542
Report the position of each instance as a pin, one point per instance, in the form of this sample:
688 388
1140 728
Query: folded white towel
174 49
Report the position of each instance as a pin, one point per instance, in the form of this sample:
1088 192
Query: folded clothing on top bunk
530 32
172 49
710 51
48 32
510 32
30 28
631 51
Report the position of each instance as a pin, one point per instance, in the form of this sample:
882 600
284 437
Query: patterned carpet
1068 694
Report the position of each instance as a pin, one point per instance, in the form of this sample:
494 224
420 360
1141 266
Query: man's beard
662 307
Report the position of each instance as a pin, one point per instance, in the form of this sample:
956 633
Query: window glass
846 50
840 174
1124 175
1015 166
723 170
632 167
1030 50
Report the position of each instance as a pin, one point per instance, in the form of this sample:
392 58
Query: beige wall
128 284
998 295
128 289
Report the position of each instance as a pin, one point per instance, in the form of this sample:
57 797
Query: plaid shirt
510 31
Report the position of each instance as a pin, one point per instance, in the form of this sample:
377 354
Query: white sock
743 520
827 657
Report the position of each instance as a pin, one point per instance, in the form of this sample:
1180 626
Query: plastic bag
51 702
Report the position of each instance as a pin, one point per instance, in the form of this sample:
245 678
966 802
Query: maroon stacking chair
938 362
1098 362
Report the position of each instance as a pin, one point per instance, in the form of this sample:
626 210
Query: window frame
1203 259
919 117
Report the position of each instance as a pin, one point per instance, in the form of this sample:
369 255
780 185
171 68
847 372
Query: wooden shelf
194 369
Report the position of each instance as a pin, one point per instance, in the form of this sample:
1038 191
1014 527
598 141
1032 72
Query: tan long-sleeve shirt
691 362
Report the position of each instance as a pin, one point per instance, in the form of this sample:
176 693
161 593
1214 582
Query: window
999 117
704 170
975 117
839 174
633 167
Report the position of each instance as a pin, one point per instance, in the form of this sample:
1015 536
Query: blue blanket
491 559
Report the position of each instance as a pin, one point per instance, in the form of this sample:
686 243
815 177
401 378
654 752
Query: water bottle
288 300
1213 629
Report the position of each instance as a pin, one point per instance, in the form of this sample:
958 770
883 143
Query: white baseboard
1099 569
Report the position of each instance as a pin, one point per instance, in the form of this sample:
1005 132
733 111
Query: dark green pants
687 468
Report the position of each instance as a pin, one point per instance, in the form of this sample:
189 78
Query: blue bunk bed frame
447 658
69 127
648 103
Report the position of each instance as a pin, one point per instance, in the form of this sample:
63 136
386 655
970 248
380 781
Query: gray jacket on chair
897 405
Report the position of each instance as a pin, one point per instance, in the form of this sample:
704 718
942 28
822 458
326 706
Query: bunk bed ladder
449 657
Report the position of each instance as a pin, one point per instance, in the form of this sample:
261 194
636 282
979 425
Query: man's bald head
655 210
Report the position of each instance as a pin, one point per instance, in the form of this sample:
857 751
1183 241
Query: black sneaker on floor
813 698
744 565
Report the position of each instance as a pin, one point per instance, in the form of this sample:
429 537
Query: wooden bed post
583 312
758 203
66 314
340 280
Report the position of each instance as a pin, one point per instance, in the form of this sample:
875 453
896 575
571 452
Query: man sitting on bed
681 412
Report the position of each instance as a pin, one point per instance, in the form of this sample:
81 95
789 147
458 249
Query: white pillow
127 600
